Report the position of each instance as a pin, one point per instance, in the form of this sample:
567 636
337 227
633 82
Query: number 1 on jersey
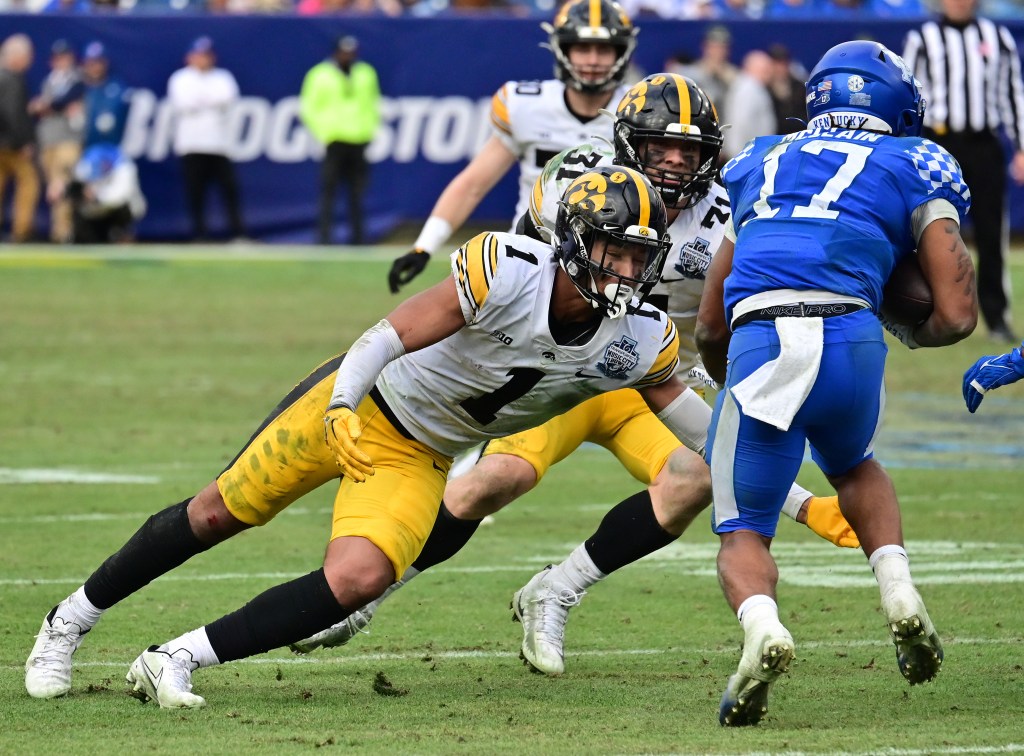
484 409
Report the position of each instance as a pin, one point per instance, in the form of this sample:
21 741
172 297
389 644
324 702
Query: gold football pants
620 421
288 457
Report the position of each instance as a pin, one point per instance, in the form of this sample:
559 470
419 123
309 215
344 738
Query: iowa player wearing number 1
821 218
666 126
521 331
592 42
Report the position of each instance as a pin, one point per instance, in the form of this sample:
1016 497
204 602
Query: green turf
159 364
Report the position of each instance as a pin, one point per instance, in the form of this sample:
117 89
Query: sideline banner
437 76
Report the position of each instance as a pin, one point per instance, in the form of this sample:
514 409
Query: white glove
905 333
700 373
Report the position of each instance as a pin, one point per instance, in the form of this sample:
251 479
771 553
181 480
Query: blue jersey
830 209
106 112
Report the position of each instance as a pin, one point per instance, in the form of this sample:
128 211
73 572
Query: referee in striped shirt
971 74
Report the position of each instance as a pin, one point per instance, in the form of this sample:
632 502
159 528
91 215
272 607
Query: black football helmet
591 21
619 204
669 106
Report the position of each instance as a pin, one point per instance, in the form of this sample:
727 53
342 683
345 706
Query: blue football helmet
865 85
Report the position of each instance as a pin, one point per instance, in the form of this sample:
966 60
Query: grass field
128 381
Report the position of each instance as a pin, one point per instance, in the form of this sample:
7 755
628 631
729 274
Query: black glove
406 268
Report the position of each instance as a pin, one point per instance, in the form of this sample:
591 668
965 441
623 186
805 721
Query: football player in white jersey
521 331
532 121
666 126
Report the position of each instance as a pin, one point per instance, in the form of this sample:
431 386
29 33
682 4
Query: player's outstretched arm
712 331
991 372
420 321
456 203
949 270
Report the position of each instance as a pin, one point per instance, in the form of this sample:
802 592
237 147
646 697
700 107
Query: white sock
79 609
197 645
578 571
890 550
756 609
891 565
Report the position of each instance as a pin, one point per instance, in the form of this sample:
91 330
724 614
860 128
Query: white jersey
696 235
202 102
533 121
503 372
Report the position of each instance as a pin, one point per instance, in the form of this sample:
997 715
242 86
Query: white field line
214 253
688 652
799 578
139 517
679 550
38 475
937 750
816 564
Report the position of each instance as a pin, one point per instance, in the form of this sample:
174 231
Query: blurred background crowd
328 134
638 9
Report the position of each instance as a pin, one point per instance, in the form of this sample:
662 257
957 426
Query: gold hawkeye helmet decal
588 191
634 100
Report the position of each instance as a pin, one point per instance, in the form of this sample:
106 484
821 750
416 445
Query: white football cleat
48 668
543 608
339 634
165 678
918 648
745 699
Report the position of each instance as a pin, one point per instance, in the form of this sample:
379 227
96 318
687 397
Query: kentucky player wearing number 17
666 126
821 218
520 332
592 42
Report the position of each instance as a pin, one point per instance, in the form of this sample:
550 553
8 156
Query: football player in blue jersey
790 322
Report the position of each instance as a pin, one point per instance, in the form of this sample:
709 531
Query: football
907 297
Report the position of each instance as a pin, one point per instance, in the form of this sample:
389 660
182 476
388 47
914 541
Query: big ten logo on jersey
435 129
502 337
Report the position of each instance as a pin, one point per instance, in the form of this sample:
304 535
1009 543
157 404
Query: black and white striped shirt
971 76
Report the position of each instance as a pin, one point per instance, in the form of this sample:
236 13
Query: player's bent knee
210 518
496 481
357 571
682 489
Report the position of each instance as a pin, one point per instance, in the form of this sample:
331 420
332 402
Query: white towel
775 391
